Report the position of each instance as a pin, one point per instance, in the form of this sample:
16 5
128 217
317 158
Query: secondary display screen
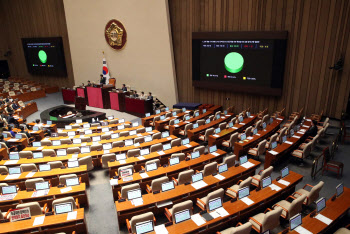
239 61
45 56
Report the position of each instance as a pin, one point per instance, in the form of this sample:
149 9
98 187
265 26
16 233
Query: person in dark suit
25 132
3 116
6 143
124 88
89 83
150 97
25 123
102 79
135 94
15 106
12 120
8 108
313 129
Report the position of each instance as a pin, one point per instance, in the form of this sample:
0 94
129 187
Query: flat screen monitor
162 117
14 170
36 144
196 114
144 227
126 172
72 133
197 177
68 127
42 185
120 157
148 138
132 132
38 155
320 204
9 189
266 181
165 134
185 141
204 111
340 189
56 143
86 125
18 136
183 109
284 172
107 146
49 122
284 138
121 121
174 113
135 124
214 204
104 124
222 168
110 117
243 136
44 167
217 116
263 125
148 129
207 121
14 156
72 164
243 192
72 181
76 141
248 114
96 138
212 149
225 112
88 132
217 130
230 124
255 131
187 117
114 135
274 145
105 129
134 194
240 119
35 128
144 152
147 114
151 166
195 125
166 146
157 112
5 135
129 142
166 109
174 161
166 186
181 216
121 127
295 221
61 152
243 159
63 208
195 154
79 121
291 132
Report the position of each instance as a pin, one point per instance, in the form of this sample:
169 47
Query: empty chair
201 149
141 130
239 229
305 152
181 156
157 161
87 160
289 209
62 178
171 122
125 167
124 134
262 174
4 170
73 150
71 200
156 184
139 140
283 132
96 147
265 118
117 144
155 119
66 141
248 131
30 183
106 137
273 138
156 136
218 113
196 111
258 124
168 115
208 132
156 147
4 146
26 154
311 195
28 167
259 150
229 160
48 152
184 177
125 188
133 153
233 190
200 122
343 230
46 143
176 142
106 158
138 219
55 164
202 203
113 121
185 116
76 126
222 126
188 126
95 124
85 139
62 134
230 143
210 169
266 221
34 207
186 205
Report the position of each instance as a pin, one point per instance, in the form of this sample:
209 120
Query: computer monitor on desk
134 194
284 172
197 177
42 185
274 145
8 189
222 168
295 221
185 141
44 167
243 136
320 204
214 204
195 154
181 216
243 159
266 182
144 227
340 189
151 167
38 155
243 192
63 208
166 186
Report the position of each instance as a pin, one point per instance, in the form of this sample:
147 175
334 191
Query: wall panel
318 37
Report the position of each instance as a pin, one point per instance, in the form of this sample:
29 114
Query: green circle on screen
234 62
42 56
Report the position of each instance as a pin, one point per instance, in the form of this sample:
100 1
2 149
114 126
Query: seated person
124 88
150 97
135 94
142 95
6 143
15 106
12 120
25 123
8 108
2 115
37 123
102 80
88 84
9 128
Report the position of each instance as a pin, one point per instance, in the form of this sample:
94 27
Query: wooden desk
113 166
28 96
286 148
126 210
169 171
334 210
52 127
242 148
238 210
159 125
18 142
175 129
226 133
138 107
52 175
145 121
29 109
23 196
99 128
193 134
54 223
3 154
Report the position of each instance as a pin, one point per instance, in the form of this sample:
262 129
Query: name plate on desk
20 214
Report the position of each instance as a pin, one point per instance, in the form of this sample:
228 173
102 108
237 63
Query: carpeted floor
101 216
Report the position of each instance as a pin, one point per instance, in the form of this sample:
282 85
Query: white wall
145 63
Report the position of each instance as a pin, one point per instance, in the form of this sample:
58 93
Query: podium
80 103
99 96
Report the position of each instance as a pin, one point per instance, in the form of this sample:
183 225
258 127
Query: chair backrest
87 160
210 168
325 122
233 138
85 139
124 134
140 218
126 188
125 167
307 150
34 207
140 130
208 132
315 192
296 206
133 153
185 176
66 141
48 152
168 115
118 144
156 118
271 219
243 229
96 147
157 135
265 118
194 113
201 149
63 178
266 173
4 146
200 122
3 169
156 184
258 124
176 142
156 147
46 143
25 154
139 140
184 117
73 150
64 200
230 160
261 147
248 131
215 194
182 206
157 161
106 158
222 126
30 183
28 167
245 182
55 164
273 138
181 156
111 81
